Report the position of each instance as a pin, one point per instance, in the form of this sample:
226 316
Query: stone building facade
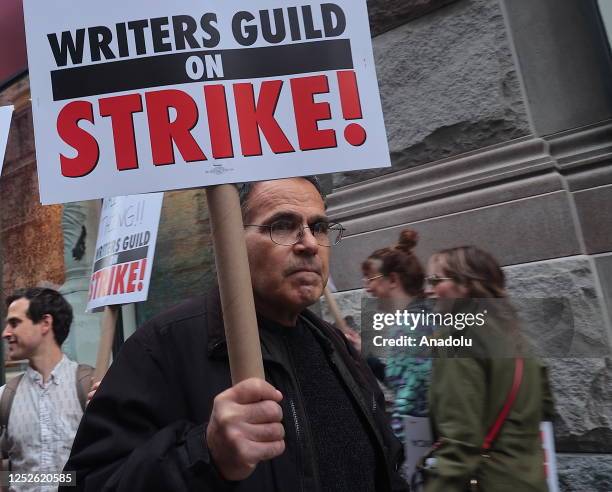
499 120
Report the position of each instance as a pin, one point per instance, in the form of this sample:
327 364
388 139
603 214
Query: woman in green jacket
467 393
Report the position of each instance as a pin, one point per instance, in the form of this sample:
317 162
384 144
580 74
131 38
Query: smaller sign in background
6 113
125 250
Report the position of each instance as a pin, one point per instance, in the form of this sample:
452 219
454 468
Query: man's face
23 337
286 279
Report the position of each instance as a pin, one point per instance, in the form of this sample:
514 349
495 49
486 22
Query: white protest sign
124 250
151 95
550 456
6 113
417 441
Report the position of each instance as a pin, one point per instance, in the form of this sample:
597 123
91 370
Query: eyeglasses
367 280
288 233
434 280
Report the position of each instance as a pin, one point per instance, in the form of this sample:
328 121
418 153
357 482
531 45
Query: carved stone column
80 228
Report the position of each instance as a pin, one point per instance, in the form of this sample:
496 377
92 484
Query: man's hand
92 392
245 428
355 339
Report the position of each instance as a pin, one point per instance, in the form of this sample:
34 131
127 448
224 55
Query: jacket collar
217 343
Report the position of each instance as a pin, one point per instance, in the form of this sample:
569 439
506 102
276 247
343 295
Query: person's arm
92 391
459 413
132 437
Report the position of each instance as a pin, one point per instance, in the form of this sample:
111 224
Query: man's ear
46 323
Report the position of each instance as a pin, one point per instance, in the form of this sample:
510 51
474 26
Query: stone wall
184 259
31 235
388 14
499 120
447 81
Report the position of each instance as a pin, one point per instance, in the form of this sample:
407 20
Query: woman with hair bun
485 410
395 276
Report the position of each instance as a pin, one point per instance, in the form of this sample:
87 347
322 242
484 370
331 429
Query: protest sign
417 441
150 95
124 250
550 457
6 113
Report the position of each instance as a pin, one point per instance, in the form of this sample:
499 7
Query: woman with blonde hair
485 410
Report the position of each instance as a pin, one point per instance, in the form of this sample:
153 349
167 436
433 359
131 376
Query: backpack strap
6 402
84 382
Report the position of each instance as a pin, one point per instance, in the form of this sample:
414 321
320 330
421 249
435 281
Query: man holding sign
166 416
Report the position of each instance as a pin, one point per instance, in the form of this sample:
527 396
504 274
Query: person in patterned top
395 276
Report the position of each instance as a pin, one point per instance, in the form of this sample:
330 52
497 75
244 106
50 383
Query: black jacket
144 430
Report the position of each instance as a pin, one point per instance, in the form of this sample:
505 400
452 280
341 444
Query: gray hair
245 189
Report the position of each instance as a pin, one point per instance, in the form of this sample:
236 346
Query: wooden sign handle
107 335
335 311
235 287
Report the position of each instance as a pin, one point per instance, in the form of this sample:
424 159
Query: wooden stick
335 310
128 317
234 283
107 335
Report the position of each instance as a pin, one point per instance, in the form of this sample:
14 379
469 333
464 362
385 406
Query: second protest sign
125 250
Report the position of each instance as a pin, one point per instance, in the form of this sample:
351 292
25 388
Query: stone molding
523 167
584 155
550 193
520 168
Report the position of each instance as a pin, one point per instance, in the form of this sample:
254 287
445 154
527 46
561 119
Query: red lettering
96 282
218 122
252 118
104 278
308 113
118 284
163 132
111 278
355 134
120 109
143 270
84 143
132 276
99 282
92 286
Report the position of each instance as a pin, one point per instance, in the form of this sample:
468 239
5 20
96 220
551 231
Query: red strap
501 418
